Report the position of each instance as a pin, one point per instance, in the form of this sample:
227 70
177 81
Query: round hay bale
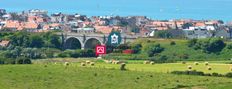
123 66
196 63
92 63
231 68
209 68
87 62
190 67
116 62
183 62
152 63
146 62
206 63
66 63
83 64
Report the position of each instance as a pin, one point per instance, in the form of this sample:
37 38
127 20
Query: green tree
36 41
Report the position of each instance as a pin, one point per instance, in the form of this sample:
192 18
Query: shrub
172 43
183 62
229 75
23 60
215 74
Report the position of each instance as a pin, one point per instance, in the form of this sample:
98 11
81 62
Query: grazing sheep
183 62
123 66
66 63
196 63
189 67
206 63
87 62
82 64
146 62
92 63
209 68
152 63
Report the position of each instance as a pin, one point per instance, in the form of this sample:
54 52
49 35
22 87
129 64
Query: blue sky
164 9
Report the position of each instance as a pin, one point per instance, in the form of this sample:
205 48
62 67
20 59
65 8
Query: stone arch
73 43
91 43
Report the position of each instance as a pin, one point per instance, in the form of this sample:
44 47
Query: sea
155 9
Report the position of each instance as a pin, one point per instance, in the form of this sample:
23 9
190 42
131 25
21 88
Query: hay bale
231 68
152 63
92 63
146 62
209 68
196 63
123 66
87 62
206 63
108 61
66 63
190 67
116 62
83 64
183 62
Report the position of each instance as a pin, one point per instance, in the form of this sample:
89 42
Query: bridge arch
73 43
92 42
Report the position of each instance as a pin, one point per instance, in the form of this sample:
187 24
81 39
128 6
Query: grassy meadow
46 74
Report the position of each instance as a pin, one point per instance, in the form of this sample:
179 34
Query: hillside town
36 20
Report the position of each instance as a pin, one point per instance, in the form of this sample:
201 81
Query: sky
160 9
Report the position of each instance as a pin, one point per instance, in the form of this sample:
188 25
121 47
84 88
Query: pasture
45 74
57 76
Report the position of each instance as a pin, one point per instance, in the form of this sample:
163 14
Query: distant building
198 33
58 18
37 12
4 43
83 30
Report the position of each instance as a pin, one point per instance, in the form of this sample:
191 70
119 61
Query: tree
187 25
136 48
212 45
20 39
152 49
162 34
36 41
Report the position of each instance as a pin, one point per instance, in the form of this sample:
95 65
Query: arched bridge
90 40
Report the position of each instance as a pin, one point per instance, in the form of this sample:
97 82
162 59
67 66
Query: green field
108 76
